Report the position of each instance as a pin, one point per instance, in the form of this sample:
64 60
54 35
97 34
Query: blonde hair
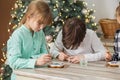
42 8
118 10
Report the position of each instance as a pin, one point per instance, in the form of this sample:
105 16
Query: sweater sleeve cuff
31 63
89 57
94 57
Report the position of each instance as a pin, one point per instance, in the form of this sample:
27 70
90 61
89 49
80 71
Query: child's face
35 24
118 17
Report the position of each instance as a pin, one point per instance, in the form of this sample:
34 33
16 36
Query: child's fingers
47 55
74 60
47 60
66 56
63 56
108 56
70 59
107 60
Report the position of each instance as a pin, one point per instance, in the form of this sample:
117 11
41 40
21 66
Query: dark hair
73 32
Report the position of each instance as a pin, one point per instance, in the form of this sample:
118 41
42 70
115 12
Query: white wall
104 8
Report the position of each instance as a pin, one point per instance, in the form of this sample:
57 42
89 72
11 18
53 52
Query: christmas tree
61 9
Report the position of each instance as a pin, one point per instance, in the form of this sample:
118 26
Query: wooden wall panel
5 8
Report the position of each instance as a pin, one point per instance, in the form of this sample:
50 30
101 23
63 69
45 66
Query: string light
12 8
54 9
21 9
78 16
4 56
23 6
59 14
84 3
18 20
52 22
53 26
9 23
66 16
63 1
93 17
86 20
2 60
8 30
63 22
91 9
88 10
15 12
16 6
56 5
67 10
21 15
3 44
86 16
93 5
62 9
14 27
94 24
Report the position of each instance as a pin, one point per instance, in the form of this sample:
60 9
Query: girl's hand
43 59
108 56
62 56
75 59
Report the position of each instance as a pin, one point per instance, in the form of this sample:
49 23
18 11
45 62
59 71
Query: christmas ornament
84 11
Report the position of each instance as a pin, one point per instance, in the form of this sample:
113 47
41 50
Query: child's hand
43 59
62 56
108 56
75 59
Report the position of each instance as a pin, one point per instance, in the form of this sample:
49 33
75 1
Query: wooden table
93 71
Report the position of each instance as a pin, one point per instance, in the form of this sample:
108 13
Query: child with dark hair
75 42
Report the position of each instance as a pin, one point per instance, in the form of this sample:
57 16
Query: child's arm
98 49
57 47
15 58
